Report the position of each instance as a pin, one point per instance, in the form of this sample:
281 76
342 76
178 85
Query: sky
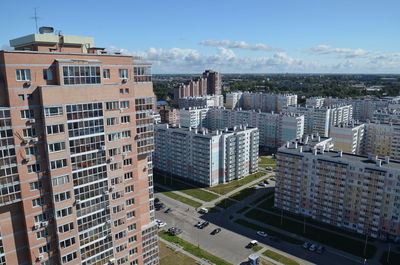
229 36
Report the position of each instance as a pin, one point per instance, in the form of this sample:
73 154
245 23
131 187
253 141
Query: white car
161 224
261 233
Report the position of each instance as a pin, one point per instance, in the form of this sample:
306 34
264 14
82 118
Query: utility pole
36 18
387 259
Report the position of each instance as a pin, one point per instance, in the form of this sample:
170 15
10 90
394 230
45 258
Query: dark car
204 224
173 231
306 245
168 210
159 206
156 200
216 231
320 249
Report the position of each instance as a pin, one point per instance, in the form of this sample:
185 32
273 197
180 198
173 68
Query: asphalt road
230 243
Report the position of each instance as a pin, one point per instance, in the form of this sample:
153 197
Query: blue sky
269 36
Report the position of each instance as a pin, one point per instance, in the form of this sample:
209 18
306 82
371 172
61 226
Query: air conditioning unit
77 201
43 224
36 227
124 80
111 261
27 84
40 258
34 139
103 147
31 120
108 221
105 192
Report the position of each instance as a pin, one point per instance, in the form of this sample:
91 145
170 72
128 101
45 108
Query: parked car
252 243
320 249
173 231
161 224
306 245
168 210
313 247
156 200
266 182
204 224
262 184
273 179
199 223
255 188
203 211
159 206
262 233
216 231
268 168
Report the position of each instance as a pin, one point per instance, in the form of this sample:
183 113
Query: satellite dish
46 30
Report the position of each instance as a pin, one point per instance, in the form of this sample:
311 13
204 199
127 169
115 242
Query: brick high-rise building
208 84
76 137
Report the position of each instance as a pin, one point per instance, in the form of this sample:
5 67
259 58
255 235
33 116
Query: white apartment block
386 115
205 157
193 117
320 120
201 101
315 102
265 102
358 193
348 138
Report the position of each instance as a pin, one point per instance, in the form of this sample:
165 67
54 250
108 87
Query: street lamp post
388 255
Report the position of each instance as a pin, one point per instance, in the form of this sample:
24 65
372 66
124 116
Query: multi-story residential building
208 84
204 157
169 115
357 193
320 120
349 137
265 102
382 139
201 101
386 116
315 102
193 117
76 141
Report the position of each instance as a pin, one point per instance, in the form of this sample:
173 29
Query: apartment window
62 196
114 136
115 166
132 239
60 163
66 227
23 74
121 247
31 150
130 214
135 262
132 227
123 73
128 175
128 162
37 185
53 111
44 249
29 132
64 212
21 97
48 74
118 208
125 119
56 147
120 235
60 180
119 222
42 234
112 105
106 73
40 218
126 90
38 202
30 96
69 257
133 251
129 189
121 91
113 151
33 168
127 148
112 121
27 114
54 129
116 180
75 75
126 134
142 73
124 104
67 242
130 202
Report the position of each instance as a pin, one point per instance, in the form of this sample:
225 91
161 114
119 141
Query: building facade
265 102
201 101
357 193
349 138
204 157
209 83
169 115
76 142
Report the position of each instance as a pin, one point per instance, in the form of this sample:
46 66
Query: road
230 243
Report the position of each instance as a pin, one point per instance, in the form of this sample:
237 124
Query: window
125 119
40 218
126 134
23 74
130 214
21 97
142 73
31 150
69 257
62 196
121 91
132 239
38 202
128 175
132 227
114 136
60 180
113 151
129 189
64 212
120 235
112 105
42 234
37 185
29 132
54 129
56 147
112 121
67 242
106 73
133 251
66 227
53 111
75 75
130 202
27 114
123 73
124 104
48 74
128 162
44 249
127 148
115 166
121 247
30 96
118 208
33 168
60 163
126 90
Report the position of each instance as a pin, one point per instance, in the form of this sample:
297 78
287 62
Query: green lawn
192 249
280 258
179 198
269 232
264 162
225 188
171 257
261 198
243 194
267 204
394 258
225 203
352 246
256 248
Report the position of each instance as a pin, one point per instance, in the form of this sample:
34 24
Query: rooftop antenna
36 18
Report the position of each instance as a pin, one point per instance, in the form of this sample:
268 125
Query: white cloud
341 52
238 45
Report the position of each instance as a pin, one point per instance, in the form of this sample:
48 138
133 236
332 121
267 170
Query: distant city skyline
228 36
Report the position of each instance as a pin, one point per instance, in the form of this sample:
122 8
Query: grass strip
192 249
334 240
181 198
280 258
256 248
269 232
234 184
225 203
243 194
170 257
